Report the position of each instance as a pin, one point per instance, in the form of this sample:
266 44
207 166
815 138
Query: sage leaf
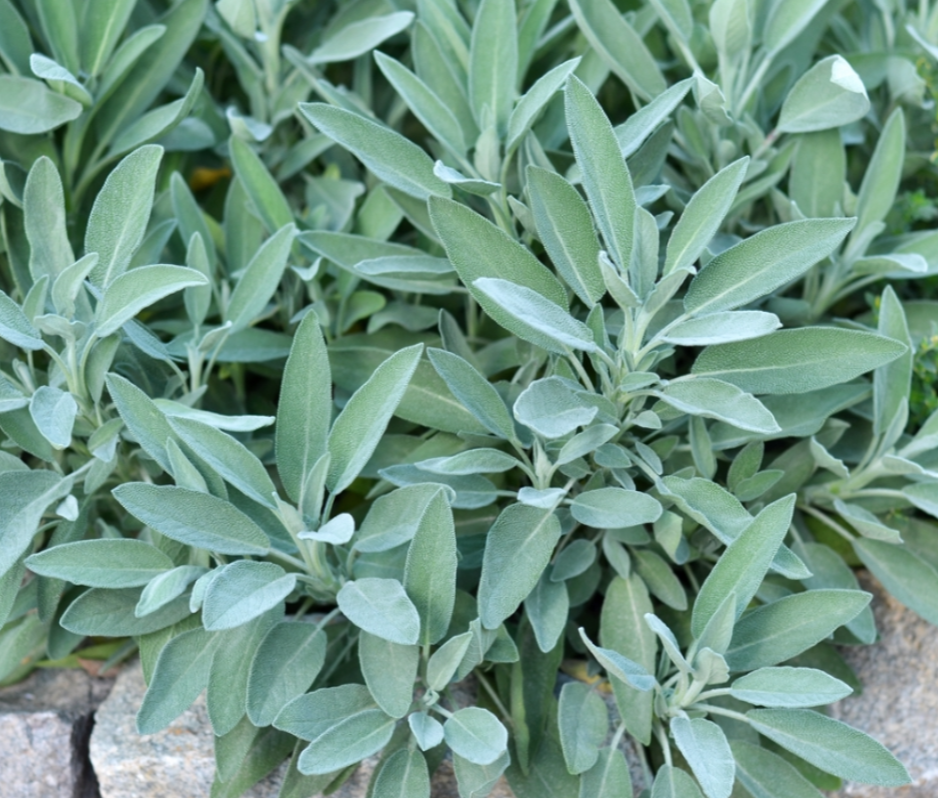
702 216
120 213
517 549
474 461
535 100
359 427
606 177
29 108
381 607
54 412
446 660
882 176
44 219
797 361
262 190
360 37
425 104
24 498
608 778
552 409
708 753
430 570
166 586
620 667
721 328
16 328
619 46
758 265
348 742
309 715
260 279
547 607
390 670
493 63
478 781
427 730
532 317
181 673
786 21
789 687
908 577
104 612
565 227
478 249
287 661
404 775
743 565
391 157
143 418
137 289
830 94
243 590
192 517
338 531
101 563
717 399
818 171
672 782
475 734
766 774
612 508
622 628
830 745
783 629
393 519
583 721
230 458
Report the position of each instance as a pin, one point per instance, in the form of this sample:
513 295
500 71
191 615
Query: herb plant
447 377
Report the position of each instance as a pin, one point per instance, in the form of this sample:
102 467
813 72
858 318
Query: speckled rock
899 704
174 763
45 721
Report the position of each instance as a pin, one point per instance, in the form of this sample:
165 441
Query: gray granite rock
177 762
899 703
45 721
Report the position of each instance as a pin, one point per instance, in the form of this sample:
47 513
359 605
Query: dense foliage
351 350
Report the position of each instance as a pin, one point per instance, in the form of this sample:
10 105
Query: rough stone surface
177 762
899 704
44 725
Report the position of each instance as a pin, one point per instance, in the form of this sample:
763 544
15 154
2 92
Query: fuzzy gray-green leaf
830 745
797 361
192 517
242 591
381 607
705 747
743 565
287 661
566 229
359 427
761 263
518 548
391 157
430 571
584 722
137 289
